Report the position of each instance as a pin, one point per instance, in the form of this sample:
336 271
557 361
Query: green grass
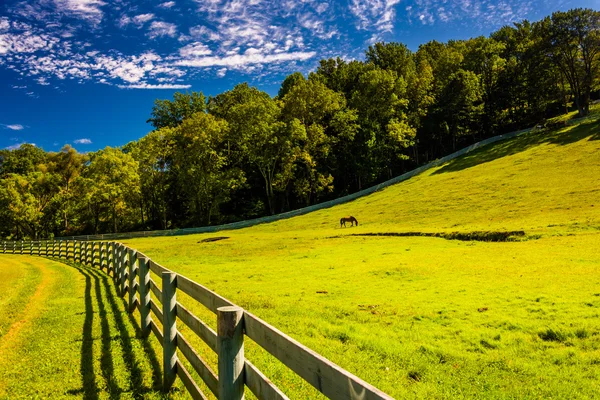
427 317
69 337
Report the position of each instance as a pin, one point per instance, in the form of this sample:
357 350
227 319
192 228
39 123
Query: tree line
347 125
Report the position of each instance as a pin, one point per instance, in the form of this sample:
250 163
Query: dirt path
32 310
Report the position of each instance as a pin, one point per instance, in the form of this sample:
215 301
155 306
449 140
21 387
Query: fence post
132 299
116 268
144 281
14 246
3 246
230 350
100 255
22 245
123 265
169 301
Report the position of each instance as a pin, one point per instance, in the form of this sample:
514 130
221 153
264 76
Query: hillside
428 317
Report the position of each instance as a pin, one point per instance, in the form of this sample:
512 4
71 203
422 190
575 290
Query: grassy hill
428 317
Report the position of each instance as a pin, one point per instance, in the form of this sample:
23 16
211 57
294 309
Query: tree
154 153
573 41
68 164
112 181
167 113
460 105
200 157
257 135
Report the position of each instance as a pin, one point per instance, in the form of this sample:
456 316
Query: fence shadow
110 311
590 131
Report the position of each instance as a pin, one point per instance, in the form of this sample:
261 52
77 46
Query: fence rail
130 271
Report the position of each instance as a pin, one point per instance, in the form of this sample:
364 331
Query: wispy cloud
13 127
481 13
90 10
374 15
82 141
239 60
167 4
18 145
143 18
161 28
154 86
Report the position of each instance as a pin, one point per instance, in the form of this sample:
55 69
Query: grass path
71 337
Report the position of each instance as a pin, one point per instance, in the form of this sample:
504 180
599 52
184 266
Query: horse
350 219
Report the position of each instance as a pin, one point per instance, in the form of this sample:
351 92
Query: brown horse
348 219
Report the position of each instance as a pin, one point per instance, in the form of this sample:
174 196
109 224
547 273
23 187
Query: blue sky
86 72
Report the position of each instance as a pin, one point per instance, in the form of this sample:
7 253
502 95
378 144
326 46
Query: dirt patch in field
480 236
31 311
213 239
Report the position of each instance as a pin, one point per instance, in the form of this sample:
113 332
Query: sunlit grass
69 336
428 317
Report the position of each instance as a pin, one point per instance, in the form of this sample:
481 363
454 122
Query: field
428 317
64 333
415 315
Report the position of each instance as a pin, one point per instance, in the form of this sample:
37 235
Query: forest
346 126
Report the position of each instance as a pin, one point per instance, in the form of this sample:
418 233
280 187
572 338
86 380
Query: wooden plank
156 310
260 385
203 370
327 377
157 268
206 297
188 382
198 327
157 332
155 290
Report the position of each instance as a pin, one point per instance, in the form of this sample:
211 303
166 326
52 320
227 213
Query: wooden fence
130 271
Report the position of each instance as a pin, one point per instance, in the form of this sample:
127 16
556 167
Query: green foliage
167 113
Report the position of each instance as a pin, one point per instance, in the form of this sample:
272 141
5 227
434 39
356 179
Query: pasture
429 317
64 333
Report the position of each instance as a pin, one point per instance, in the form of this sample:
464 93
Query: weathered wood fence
130 271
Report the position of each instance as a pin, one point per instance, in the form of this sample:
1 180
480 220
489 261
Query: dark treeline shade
346 126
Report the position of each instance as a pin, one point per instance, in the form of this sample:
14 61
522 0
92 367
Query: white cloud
481 13
221 72
161 28
142 18
14 127
4 24
194 50
167 4
18 145
89 10
374 15
240 60
151 86
82 141
124 21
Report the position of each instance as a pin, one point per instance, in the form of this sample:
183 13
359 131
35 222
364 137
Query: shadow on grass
88 376
109 305
590 131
